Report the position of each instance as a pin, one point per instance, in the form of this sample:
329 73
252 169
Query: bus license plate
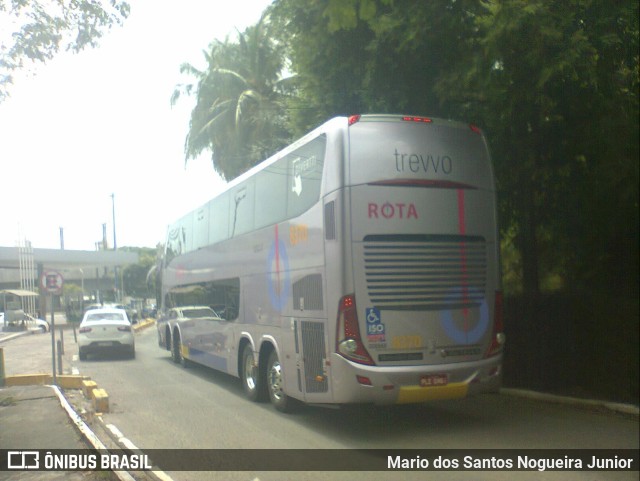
434 380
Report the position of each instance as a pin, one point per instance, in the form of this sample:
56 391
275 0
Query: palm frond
243 99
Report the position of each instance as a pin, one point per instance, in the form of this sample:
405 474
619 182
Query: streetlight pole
115 245
113 213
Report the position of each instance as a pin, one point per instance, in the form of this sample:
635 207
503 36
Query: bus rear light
417 119
365 381
497 336
353 119
475 128
348 340
85 329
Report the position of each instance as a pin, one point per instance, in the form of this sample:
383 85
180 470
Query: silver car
106 330
177 314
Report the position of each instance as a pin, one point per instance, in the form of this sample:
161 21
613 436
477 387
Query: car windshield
194 313
109 316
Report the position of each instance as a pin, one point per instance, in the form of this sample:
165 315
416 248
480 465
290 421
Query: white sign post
51 282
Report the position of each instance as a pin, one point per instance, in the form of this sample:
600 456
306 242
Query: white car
34 322
105 330
23 321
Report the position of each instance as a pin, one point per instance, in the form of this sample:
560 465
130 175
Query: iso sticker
375 327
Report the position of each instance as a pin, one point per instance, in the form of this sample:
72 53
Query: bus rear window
422 154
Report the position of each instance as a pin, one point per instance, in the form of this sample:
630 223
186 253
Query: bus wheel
275 380
167 340
251 379
176 355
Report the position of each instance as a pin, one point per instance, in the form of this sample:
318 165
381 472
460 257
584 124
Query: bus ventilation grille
425 272
307 293
329 221
313 349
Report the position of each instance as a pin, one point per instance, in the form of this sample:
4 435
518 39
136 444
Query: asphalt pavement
39 415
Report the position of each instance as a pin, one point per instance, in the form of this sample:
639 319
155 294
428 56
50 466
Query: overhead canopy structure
19 292
67 259
72 263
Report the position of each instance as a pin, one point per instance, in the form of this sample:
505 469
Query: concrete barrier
88 387
27 379
100 401
69 381
65 381
2 375
143 324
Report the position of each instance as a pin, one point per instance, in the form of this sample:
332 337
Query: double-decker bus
357 265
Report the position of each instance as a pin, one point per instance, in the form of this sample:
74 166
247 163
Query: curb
65 381
144 324
114 433
590 403
86 432
14 335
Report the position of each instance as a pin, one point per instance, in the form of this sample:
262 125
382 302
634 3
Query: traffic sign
51 282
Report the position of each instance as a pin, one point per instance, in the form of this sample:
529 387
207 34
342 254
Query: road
157 404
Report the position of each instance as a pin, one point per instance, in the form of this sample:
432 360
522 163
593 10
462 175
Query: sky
100 123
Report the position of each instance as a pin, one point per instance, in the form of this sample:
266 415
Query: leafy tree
239 114
134 276
328 56
35 31
371 55
556 85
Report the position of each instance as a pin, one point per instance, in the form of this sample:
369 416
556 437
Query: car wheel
252 380
275 381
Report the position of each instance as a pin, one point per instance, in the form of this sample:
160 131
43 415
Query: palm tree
240 113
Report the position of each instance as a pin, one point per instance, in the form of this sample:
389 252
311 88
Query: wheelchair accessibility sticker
375 327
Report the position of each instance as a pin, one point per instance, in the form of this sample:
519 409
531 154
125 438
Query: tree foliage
134 276
35 31
238 115
554 84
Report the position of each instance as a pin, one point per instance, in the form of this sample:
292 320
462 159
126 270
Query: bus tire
275 380
176 355
167 339
252 381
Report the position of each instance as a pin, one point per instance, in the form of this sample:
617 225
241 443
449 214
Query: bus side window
305 176
271 188
241 209
231 292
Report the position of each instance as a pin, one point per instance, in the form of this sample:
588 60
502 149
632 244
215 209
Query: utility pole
115 245
113 213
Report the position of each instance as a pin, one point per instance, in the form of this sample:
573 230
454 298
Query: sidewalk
37 415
